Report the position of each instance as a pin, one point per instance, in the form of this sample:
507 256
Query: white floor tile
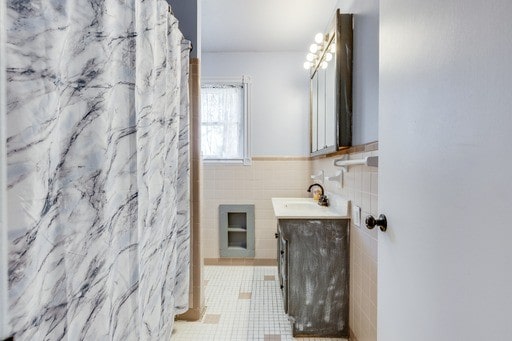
240 319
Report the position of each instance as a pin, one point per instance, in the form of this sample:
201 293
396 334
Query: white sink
301 205
307 208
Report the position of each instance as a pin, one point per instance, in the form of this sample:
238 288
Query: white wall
446 113
365 87
280 87
279 98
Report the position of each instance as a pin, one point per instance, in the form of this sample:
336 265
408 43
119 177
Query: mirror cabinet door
321 109
330 101
314 113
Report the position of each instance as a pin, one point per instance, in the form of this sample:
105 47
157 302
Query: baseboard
241 261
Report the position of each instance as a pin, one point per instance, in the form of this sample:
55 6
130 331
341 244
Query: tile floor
243 303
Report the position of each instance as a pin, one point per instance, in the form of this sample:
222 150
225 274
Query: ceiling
262 25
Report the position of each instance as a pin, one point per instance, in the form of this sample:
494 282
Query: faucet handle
323 201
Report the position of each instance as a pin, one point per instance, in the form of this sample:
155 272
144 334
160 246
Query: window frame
245 82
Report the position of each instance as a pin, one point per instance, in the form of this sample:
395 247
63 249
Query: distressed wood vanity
313 261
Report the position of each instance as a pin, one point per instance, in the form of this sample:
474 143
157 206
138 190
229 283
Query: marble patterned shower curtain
98 169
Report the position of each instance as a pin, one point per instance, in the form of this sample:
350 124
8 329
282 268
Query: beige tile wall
255 184
361 187
282 177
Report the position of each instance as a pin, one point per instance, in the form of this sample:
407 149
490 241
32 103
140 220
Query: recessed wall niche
236 231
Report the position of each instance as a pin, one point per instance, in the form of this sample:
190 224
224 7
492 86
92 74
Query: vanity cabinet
313 266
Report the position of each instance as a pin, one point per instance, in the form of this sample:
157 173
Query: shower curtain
98 169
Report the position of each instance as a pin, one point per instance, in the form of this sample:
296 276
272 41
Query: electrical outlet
356 215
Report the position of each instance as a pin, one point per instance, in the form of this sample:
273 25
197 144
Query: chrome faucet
323 201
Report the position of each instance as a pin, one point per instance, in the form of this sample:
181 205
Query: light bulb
319 37
307 65
328 57
324 65
310 57
313 48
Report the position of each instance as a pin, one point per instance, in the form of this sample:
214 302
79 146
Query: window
224 121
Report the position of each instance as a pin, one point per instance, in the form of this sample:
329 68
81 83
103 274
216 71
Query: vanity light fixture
316 51
308 65
319 38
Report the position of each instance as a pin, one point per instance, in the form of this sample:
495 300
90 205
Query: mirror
331 89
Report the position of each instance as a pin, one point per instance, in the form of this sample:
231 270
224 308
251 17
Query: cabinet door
330 103
283 269
316 263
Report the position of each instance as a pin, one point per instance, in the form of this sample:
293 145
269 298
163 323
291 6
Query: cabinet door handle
276 235
282 286
282 252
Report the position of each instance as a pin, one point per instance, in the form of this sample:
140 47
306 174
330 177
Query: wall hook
338 177
319 177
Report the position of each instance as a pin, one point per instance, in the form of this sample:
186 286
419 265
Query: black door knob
276 235
381 222
282 252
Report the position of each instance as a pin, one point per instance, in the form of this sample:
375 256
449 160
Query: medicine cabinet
331 88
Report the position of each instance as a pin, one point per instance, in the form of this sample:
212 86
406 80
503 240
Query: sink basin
307 208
